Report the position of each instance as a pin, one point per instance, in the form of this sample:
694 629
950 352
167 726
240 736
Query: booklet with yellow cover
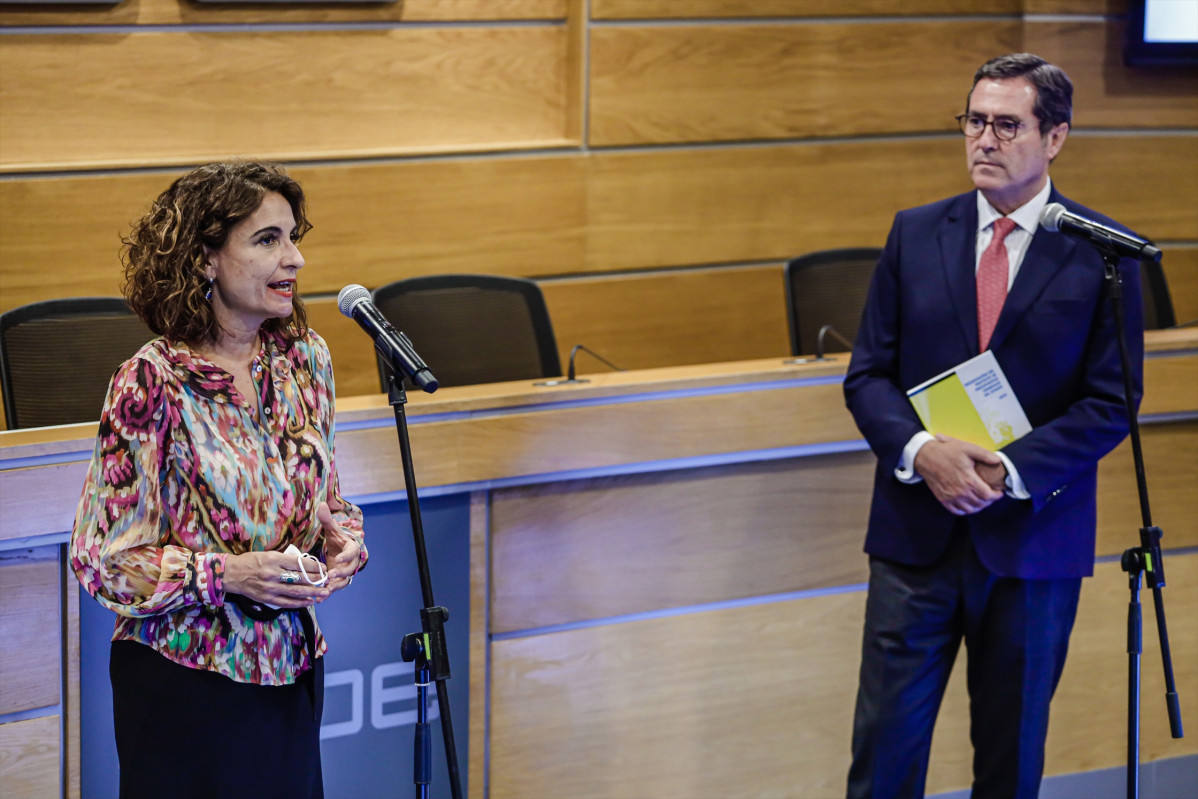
973 402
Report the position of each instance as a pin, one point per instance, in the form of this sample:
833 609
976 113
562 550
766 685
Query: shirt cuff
207 577
905 473
1015 487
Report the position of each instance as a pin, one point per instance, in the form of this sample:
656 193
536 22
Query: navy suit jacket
1055 340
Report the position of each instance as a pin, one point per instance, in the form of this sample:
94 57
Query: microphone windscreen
350 296
1050 217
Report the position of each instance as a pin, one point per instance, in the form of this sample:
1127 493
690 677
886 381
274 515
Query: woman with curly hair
211 521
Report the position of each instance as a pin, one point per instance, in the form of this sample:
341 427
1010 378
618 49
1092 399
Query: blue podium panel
370 696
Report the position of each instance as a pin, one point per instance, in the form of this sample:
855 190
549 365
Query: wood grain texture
1171 469
736 82
585 550
186 12
1169 383
479 688
355 367
549 215
699 9
745 701
29 752
30 630
1110 7
739 702
669 207
383 222
1181 272
1107 93
645 320
374 223
184 97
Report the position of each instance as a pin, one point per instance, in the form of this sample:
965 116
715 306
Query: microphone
570 378
819 341
819 345
354 301
1054 217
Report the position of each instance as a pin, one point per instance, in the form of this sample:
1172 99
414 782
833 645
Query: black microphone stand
427 649
819 345
1145 559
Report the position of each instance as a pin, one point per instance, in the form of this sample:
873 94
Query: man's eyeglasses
974 125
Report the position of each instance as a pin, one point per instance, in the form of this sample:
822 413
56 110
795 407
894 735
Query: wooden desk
666 575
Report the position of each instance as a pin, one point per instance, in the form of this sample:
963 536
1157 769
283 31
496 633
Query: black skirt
183 732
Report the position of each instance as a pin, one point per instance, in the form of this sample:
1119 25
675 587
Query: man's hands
964 477
341 550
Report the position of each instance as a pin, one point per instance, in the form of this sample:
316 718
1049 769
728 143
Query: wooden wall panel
748 701
189 12
160 98
30 630
671 207
29 752
736 82
668 207
700 9
1106 93
382 222
646 320
1171 467
584 550
1181 272
729 82
375 222
1110 7
759 700
1156 196
354 364
480 668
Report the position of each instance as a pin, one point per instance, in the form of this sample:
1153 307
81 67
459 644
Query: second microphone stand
427 649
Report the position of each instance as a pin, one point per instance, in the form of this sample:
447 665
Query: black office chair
473 328
57 358
1158 306
827 288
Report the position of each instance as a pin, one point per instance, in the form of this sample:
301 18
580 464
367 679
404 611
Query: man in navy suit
964 542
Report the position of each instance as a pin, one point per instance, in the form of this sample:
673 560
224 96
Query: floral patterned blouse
184 474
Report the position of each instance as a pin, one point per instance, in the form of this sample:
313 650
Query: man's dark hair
1054 90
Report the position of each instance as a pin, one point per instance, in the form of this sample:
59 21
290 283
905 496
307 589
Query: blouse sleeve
349 518
118 546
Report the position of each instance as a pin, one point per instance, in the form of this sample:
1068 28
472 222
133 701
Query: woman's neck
232 348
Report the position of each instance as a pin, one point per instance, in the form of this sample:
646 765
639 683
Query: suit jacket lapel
1045 255
958 254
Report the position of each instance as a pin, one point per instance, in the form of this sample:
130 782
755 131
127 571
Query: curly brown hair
163 255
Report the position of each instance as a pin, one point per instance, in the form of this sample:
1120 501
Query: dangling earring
208 296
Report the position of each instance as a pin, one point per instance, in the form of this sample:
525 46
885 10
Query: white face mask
300 557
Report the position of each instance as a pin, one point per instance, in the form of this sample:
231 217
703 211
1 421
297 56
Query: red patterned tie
992 281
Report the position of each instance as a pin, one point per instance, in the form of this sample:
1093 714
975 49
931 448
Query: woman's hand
259 576
341 550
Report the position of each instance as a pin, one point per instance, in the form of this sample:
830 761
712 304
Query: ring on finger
290 577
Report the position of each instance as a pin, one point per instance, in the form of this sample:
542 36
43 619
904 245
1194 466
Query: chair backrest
827 288
473 328
1158 306
57 358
